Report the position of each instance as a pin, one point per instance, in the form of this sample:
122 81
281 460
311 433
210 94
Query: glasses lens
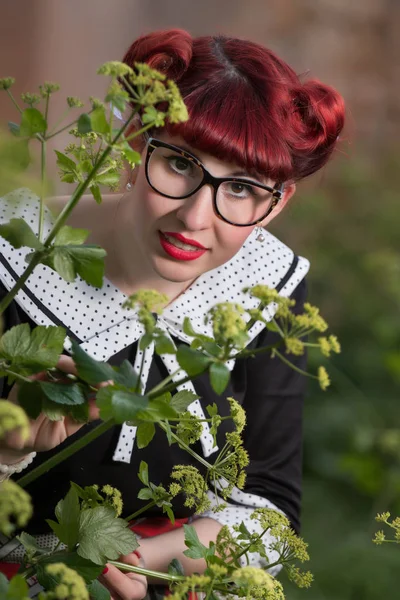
172 173
243 203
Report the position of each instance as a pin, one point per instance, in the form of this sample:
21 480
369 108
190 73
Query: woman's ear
287 194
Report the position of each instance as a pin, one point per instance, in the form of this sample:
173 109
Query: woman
190 225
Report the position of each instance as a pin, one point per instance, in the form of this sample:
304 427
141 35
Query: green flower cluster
228 324
238 414
189 428
328 345
93 496
48 88
69 586
74 102
231 463
192 485
30 98
148 302
15 504
13 417
256 583
192 584
394 524
6 83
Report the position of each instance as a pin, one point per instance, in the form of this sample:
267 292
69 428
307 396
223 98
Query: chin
179 272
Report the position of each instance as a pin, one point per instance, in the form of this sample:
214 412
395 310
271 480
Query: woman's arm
158 551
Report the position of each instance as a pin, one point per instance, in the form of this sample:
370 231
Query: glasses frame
215 182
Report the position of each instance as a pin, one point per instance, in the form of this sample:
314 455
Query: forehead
217 166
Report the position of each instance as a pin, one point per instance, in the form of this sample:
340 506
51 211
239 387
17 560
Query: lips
178 252
185 240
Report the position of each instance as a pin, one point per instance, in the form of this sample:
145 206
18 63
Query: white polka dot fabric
96 317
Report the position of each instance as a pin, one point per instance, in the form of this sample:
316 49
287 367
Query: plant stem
187 448
61 219
286 361
66 453
42 177
245 353
64 128
165 381
147 572
140 511
154 393
14 102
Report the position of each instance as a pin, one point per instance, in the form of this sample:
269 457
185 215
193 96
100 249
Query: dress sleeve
273 437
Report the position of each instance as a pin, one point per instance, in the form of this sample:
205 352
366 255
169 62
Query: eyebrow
234 174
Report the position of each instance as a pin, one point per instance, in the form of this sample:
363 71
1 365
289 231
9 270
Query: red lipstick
183 239
180 253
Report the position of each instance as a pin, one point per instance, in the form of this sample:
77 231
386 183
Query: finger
66 364
129 586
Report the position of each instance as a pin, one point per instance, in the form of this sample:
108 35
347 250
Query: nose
197 211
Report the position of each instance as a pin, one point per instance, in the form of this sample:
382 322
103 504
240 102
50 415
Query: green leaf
63 393
145 494
32 122
126 375
67 513
157 410
109 178
89 263
181 400
18 233
30 397
145 341
63 264
145 433
89 369
219 377
104 537
192 361
144 472
65 162
70 236
187 327
85 568
14 128
17 589
99 120
175 568
133 157
97 591
31 545
3 585
84 124
195 548
34 350
122 406
96 193
164 345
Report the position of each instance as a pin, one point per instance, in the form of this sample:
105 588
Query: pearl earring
128 186
260 237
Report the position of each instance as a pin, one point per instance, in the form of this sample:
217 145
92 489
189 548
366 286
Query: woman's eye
178 164
240 189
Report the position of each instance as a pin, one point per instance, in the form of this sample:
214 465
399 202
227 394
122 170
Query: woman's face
154 221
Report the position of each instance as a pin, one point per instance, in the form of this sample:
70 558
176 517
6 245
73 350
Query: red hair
246 105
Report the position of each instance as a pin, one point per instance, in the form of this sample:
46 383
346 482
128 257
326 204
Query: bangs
228 121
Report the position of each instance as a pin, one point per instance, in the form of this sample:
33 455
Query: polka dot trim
96 316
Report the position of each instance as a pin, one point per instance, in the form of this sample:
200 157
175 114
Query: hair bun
169 51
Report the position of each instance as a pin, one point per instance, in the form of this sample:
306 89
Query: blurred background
345 220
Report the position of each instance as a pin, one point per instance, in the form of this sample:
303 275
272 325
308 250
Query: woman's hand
124 586
44 434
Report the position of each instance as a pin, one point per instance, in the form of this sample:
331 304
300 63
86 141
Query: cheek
231 239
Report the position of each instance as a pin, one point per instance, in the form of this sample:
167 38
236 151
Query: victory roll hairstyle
246 105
